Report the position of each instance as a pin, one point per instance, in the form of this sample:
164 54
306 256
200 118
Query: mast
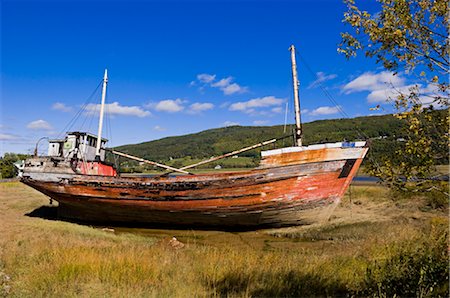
100 121
298 123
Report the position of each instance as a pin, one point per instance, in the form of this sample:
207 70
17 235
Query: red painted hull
288 189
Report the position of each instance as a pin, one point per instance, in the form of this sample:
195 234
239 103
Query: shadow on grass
51 213
45 212
285 284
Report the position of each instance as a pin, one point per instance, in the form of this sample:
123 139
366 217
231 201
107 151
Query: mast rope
74 119
89 117
79 112
331 98
115 158
108 121
289 127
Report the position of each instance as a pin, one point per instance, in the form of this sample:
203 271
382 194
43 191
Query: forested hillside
181 150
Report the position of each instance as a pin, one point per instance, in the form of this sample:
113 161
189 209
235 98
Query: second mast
100 121
298 123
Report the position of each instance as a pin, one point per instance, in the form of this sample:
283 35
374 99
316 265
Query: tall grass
417 267
406 268
405 254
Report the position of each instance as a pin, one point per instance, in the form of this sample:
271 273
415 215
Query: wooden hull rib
289 188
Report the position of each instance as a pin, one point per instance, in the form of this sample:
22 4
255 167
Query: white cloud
431 88
226 85
8 137
385 86
252 104
198 107
167 105
39 125
426 95
320 78
159 128
230 123
370 81
206 78
116 109
178 105
222 83
325 111
277 110
382 95
233 88
61 107
260 122
430 93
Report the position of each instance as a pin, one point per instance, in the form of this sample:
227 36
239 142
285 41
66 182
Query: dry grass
351 255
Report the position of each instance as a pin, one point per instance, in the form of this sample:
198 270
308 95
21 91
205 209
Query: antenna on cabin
298 123
100 121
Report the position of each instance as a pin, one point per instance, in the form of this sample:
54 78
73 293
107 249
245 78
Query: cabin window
92 142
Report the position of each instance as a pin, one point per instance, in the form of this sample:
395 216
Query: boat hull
295 191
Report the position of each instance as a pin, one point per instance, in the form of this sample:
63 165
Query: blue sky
175 67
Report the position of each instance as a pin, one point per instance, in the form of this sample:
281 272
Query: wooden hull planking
289 188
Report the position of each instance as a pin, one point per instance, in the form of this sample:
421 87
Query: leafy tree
7 168
409 36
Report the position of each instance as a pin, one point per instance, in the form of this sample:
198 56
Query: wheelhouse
80 145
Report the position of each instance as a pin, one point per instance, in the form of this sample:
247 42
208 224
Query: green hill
187 149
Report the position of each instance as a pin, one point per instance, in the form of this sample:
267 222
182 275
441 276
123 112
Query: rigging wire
330 97
285 121
77 115
89 115
115 158
108 123
285 117
289 127
92 115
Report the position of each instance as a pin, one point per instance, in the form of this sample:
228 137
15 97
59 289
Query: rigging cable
89 114
285 117
330 97
289 127
92 114
77 115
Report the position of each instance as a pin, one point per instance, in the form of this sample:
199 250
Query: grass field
371 246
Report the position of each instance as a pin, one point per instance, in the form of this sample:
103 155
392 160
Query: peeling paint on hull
288 189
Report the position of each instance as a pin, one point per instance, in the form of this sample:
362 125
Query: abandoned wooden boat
292 186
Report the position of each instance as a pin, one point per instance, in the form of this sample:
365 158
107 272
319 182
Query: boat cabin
81 145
